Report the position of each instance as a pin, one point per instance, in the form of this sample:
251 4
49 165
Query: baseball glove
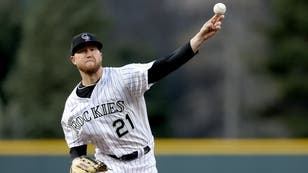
85 164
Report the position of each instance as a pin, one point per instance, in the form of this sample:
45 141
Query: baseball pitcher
107 107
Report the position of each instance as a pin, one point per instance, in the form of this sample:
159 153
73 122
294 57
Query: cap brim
98 44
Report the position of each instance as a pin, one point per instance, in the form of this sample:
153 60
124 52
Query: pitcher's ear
72 58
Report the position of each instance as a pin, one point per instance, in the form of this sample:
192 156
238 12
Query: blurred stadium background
240 105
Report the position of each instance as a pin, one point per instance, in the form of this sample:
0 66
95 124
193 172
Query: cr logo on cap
85 37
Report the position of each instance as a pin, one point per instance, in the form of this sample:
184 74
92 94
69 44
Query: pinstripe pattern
114 118
144 164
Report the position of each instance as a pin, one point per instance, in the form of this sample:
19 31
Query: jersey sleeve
73 137
135 77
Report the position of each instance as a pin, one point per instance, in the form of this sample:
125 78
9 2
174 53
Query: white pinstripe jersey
114 118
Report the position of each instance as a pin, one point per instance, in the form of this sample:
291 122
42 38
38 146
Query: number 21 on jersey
120 125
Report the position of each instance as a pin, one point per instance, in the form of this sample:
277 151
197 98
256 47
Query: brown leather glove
86 164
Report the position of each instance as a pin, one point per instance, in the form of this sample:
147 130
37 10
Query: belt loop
141 152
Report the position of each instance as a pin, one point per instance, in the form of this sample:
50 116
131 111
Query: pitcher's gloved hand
86 164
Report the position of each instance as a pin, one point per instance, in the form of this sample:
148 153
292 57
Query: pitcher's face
88 59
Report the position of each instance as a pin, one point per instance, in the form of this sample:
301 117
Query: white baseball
219 8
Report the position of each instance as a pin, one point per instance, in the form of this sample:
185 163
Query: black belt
131 156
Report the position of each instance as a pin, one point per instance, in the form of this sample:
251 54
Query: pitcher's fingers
219 17
213 19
